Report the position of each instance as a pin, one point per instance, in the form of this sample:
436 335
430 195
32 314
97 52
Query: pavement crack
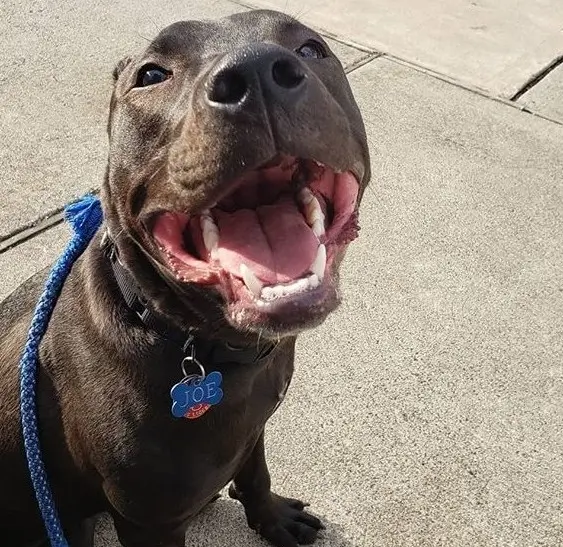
34 228
30 230
537 78
362 62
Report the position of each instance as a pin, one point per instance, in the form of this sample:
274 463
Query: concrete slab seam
37 226
362 62
323 32
473 89
538 77
29 232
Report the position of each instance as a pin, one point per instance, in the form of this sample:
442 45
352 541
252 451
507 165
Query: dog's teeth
318 228
313 281
209 231
306 196
267 293
273 292
278 291
300 285
295 287
250 280
211 240
319 264
314 212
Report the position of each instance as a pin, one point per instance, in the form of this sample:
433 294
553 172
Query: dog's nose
261 68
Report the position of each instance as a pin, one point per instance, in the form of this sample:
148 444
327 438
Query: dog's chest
195 458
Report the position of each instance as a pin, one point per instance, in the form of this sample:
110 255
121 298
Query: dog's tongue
274 241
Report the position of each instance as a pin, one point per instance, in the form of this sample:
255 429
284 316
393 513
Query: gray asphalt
427 410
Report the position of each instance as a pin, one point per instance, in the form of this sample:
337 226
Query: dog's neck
215 352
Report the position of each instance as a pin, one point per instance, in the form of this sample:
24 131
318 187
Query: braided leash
85 217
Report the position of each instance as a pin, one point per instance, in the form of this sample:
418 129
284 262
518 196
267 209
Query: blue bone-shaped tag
206 391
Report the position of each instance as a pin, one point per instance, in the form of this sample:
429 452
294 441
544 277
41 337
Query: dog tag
195 395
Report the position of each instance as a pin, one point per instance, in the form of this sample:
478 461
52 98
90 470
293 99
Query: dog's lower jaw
282 521
244 321
211 312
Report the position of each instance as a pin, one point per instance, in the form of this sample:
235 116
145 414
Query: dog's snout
262 68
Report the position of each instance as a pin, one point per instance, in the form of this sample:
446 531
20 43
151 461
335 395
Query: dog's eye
311 50
151 75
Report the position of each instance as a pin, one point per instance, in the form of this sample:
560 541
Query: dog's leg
83 534
131 534
280 520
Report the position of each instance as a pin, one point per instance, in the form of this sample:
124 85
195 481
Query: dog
237 162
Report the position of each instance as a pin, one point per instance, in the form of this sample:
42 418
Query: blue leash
85 217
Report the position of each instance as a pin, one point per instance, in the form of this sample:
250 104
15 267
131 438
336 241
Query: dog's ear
120 67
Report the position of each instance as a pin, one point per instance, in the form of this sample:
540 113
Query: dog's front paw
282 521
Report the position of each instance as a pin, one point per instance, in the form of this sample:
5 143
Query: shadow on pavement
223 524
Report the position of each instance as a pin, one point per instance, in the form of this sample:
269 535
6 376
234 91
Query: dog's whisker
149 40
127 236
117 235
157 27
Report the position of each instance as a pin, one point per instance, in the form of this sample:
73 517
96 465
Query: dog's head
238 158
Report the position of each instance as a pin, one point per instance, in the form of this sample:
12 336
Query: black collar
209 352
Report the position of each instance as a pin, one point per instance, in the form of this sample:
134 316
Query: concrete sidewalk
428 410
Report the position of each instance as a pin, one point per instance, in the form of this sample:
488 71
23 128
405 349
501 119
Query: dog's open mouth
272 238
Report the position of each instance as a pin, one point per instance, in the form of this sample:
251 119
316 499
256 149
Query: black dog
237 161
